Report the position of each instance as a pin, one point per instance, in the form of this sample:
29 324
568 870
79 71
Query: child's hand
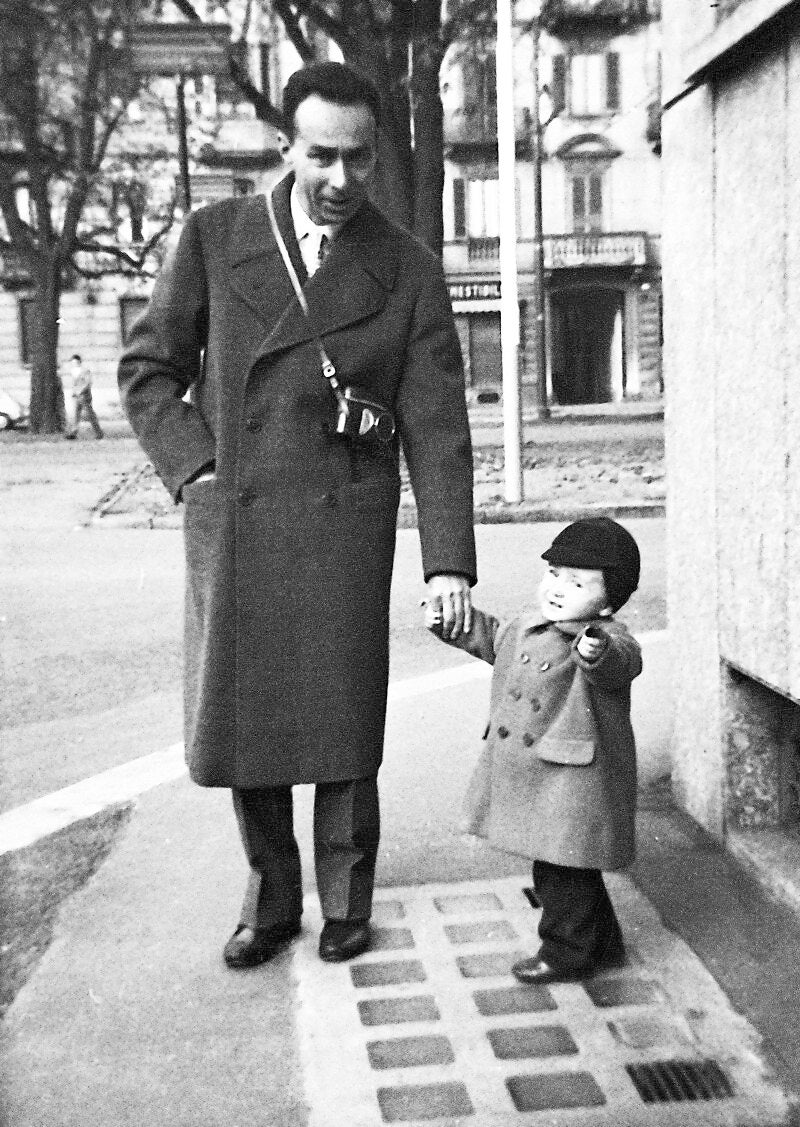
592 642
434 616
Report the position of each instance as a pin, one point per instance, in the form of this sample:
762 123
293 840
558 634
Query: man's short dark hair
334 82
76 356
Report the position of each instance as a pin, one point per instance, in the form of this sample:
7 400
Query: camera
363 419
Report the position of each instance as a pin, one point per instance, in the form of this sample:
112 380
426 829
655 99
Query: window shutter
612 80
595 195
459 209
559 88
578 201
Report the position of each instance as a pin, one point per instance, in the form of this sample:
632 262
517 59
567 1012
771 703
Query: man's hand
450 594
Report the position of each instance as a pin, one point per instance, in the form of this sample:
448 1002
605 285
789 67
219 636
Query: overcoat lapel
353 283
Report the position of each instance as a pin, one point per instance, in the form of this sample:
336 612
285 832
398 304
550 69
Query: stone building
599 72
732 354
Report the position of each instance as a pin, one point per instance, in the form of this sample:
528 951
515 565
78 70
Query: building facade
599 75
732 353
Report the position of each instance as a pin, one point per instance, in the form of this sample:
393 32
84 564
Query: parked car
12 413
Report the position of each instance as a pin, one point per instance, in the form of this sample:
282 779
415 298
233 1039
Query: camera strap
328 369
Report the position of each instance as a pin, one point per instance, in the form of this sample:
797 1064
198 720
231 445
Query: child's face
570 593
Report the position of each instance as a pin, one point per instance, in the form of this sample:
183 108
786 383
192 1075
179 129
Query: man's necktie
324 244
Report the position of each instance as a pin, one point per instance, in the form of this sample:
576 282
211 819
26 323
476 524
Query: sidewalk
131 1018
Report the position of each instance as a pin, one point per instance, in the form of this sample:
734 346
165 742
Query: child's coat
556 779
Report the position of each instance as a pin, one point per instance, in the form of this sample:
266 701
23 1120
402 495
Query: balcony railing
564 16
595 248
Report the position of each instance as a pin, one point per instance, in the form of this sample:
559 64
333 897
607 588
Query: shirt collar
304 225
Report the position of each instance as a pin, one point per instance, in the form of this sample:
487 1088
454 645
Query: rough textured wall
731 253
688 278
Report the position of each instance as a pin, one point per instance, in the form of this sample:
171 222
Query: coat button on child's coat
525 658
515 693
502 732
544 666
528 739
536 704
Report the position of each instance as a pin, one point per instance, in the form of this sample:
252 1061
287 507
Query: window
129 310
586 191
483 209
27 329
459 209
586 85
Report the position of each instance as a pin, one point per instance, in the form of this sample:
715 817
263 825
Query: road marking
26 824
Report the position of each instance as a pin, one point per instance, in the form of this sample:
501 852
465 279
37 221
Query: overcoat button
535 704
253 423
502 732
544 666
528 739
515 694
246 496
525 658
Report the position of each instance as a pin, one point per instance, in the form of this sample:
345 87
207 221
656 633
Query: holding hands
448 607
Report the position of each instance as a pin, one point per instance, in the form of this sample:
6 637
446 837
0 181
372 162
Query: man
289 526
81 398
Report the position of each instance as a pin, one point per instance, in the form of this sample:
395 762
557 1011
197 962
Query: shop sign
474 291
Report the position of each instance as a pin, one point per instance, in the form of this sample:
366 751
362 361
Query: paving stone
394 1011
387 911
391 939
424 1101
548 1091
387 974
646 1031
480 931
488 965
466 903
609 992
531 1041
409 1052
514 1000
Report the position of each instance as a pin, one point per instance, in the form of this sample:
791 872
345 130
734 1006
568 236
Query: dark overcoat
289 550
556 778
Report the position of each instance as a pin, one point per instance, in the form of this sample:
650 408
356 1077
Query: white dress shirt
309 234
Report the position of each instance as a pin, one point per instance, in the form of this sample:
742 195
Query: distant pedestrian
556 780
81 388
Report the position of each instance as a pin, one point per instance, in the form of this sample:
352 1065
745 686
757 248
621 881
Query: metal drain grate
673 1081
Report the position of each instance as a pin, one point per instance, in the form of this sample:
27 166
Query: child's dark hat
600 544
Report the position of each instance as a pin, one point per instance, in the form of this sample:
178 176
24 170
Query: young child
556 780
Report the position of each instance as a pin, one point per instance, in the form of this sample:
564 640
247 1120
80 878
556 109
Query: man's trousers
346 833
579 929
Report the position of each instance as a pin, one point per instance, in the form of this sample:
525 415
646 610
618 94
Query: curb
407 515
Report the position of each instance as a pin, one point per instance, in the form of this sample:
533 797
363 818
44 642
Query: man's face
569 593
333 157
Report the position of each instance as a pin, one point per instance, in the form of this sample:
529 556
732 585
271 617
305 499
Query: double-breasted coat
289 549
556 777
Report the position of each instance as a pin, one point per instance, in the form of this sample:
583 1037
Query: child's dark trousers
578 929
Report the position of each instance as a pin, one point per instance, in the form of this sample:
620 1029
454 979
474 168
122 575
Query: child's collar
536 621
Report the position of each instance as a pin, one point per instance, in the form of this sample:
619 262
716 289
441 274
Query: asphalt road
92 616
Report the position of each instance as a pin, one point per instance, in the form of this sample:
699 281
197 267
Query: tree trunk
47 397
428 154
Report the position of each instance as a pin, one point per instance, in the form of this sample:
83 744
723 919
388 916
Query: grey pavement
132 1018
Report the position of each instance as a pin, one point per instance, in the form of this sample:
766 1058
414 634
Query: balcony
595 248
565 17
561 252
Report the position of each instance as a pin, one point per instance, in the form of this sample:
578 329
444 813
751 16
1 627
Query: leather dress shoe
536 972
343 939
251 946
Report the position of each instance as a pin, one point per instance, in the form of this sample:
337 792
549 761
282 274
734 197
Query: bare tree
64 88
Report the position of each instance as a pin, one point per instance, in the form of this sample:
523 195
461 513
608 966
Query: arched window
587 161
